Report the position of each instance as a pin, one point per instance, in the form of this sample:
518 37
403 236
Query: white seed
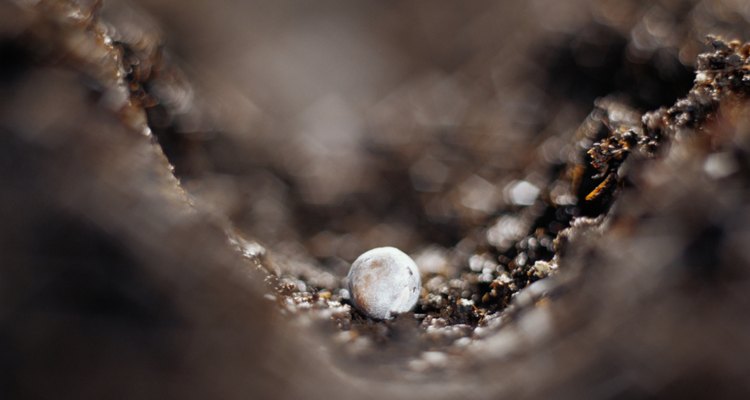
383 282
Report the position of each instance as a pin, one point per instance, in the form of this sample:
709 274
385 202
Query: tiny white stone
523 193
383 282
720 165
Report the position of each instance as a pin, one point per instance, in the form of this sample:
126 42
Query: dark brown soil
185 186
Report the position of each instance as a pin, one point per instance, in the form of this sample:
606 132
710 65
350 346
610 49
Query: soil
573 188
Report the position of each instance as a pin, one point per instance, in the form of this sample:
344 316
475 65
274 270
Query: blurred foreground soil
184 186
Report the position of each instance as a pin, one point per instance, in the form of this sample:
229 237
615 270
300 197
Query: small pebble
384 282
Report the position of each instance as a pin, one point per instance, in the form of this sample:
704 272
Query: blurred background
334 127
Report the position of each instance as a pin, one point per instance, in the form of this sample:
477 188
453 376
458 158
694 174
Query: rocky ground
185 186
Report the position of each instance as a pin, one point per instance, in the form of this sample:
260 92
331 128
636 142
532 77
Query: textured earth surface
184 188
